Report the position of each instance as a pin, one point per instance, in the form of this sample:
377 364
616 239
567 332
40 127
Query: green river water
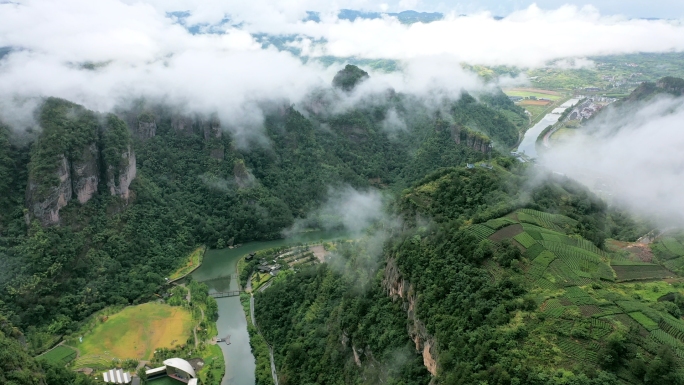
240 363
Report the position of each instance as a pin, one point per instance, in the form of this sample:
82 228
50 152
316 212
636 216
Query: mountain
503 285
99 208
647 90
74 156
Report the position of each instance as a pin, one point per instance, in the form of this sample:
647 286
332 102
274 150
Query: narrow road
251 309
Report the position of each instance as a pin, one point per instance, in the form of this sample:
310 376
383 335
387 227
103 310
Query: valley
334 247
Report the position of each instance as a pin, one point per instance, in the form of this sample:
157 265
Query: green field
135 332
59 355
165 381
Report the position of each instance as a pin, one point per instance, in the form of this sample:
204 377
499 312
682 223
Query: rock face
182 124
119 182
147 130
211 128
73 154
45 205
398 288
147 126
474 140
85 174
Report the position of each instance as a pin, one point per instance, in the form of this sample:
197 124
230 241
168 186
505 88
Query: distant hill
667 85
406 17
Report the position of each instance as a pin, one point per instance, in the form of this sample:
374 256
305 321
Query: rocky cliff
44 202
119 178
85 173
72 154
400 289
147 126
472 139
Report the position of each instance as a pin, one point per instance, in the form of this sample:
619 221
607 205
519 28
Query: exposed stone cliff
85 173
119 182
44 202
147 126
72 154
400 289
472 139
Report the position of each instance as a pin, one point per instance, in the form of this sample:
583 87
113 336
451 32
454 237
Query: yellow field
136 331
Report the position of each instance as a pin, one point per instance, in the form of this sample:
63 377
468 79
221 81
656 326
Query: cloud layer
104 53
633 158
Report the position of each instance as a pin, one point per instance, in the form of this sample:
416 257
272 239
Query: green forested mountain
492 290
486 281
99 208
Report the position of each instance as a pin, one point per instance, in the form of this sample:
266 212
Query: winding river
216 270
529 142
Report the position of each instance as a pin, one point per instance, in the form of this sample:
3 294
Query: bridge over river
223 294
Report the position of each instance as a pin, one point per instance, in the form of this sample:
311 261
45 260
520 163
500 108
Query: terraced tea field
585 293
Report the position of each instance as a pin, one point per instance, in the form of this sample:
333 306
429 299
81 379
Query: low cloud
632 157
106 53
393 123
345 208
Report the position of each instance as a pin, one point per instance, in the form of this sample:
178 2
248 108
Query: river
529 142
240 364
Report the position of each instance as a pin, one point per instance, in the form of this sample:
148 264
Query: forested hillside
100 208
492 290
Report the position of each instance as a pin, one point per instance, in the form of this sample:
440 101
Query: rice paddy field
584 293
135 332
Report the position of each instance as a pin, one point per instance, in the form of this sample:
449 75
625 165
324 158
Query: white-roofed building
180 369
116 376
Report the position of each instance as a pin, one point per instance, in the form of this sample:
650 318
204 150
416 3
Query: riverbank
194 261
528 146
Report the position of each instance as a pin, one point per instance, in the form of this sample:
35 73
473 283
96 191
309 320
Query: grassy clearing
59 355
259 279
136 331
192 262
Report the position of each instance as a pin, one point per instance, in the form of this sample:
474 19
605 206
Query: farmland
134 332
583 293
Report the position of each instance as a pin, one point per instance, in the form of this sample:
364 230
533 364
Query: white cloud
632 157
145 53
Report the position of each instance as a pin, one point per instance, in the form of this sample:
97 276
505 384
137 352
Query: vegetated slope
519 297
647 90
194 184
18 368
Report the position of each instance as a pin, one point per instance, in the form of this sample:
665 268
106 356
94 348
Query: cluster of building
589 107
176 368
